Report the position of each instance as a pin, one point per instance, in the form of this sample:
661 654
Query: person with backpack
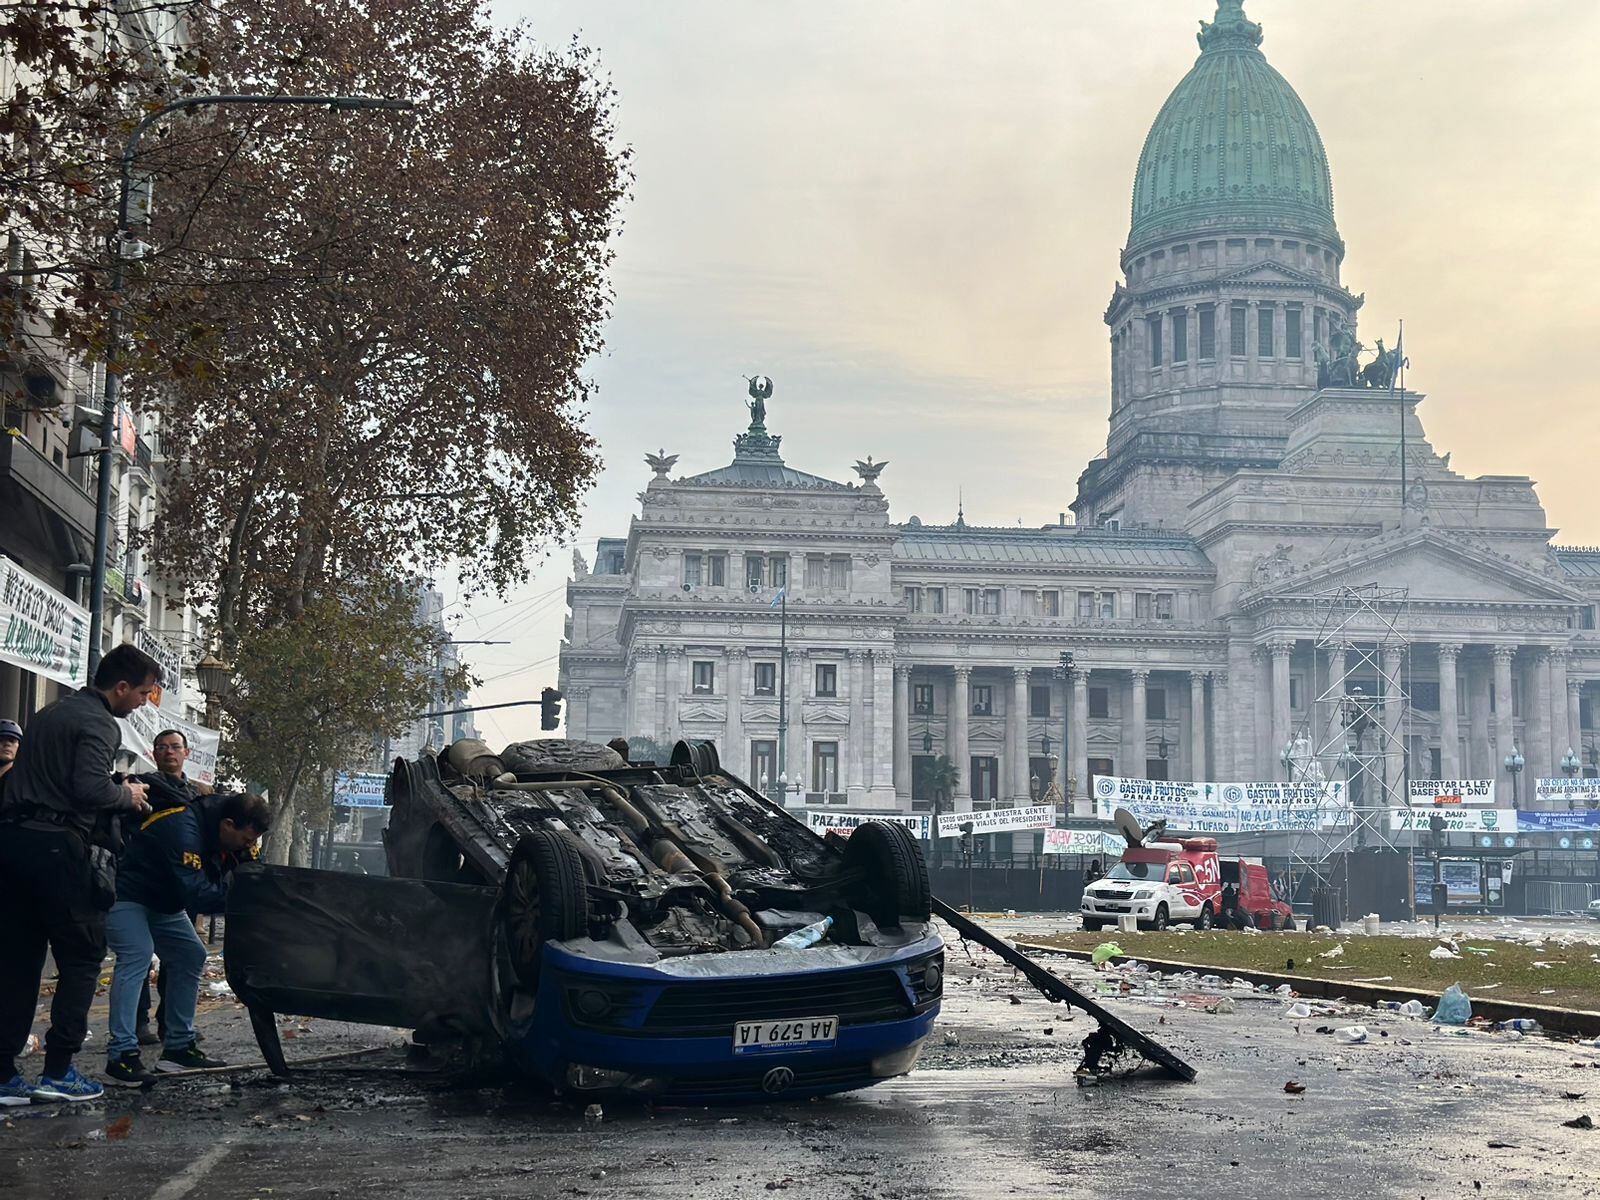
176 864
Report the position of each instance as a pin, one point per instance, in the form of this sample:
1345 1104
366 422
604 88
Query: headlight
1143 894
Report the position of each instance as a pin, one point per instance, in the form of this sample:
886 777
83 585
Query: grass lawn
1573 975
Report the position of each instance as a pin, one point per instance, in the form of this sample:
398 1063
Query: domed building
1272 575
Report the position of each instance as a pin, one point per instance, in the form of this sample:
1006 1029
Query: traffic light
549 708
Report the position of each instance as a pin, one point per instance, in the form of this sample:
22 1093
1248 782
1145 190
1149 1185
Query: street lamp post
215 678
1514 763
113 384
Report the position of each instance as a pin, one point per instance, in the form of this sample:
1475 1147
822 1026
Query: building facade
1255 467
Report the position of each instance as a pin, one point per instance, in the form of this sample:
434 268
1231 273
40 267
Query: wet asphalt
994 1110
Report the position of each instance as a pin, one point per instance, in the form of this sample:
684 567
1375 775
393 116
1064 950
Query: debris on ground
1454 1007
1294 1088
1583 1122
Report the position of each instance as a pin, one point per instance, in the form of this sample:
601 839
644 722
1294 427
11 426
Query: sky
909 215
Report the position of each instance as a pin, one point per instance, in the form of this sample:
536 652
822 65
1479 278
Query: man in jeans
176 864
169 788
57 812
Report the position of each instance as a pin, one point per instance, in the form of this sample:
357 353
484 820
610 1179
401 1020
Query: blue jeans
133 933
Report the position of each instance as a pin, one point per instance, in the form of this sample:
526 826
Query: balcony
141 453
27 476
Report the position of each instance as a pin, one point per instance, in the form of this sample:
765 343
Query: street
993 1110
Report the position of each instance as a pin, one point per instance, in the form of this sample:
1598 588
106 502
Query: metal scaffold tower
1357 728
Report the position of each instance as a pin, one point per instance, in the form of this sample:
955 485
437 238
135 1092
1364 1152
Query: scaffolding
1352 735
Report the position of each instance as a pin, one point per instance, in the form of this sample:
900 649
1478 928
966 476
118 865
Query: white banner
998 820
1225 807
1083 841
359 789
169 696
1456 820
139 734
1447 793
40 629
824 821
1567 793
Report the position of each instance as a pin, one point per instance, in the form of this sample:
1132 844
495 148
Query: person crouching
176 864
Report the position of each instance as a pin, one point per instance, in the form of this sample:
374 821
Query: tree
940 779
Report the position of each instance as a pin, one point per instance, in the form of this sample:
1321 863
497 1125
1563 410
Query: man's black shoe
187 1059
147 1036
128 1071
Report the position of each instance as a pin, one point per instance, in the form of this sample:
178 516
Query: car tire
544 899
895 882
1206 920
1093 924
1162 918
1288 923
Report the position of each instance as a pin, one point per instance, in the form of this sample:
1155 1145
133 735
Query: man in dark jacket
169 788
54 820
176 864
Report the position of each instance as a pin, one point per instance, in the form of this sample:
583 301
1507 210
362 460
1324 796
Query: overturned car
657 930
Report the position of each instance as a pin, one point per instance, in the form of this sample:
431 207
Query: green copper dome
1233 147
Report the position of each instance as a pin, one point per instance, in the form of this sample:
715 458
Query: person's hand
141 798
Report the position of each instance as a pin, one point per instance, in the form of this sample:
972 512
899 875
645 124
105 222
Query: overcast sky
909 215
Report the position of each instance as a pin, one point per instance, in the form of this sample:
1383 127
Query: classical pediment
1271 272
1432 565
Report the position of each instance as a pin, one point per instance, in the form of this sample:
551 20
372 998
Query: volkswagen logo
777 1080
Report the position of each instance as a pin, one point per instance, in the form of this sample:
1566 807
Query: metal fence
1548 897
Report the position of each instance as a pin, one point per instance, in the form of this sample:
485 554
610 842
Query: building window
1425 697
1153 333
1085 606
985 779
1180 336
1155 704
991 602
1264 331
1237 315
763 763
1097 606
705 677
1586 617
816 572
1050 604
1291 334
778 571
1100 703
914 599
922 699
1318 334
936 599
766 677
754 572
1108 606
1039 700
692 564
1163 606
1143 606
825 767
1208 332
982 700
982 601
839 572
717 570
1294 692
827 679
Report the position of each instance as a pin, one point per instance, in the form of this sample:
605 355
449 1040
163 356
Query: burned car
657 930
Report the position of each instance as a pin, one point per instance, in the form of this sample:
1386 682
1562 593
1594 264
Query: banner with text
1083 841
40 629
1225 807
998 820
358 789
824 821
1447 793
1567 793
1456 820
169 696
139 732
1568 819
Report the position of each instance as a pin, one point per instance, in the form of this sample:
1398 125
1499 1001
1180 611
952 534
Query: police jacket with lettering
175 862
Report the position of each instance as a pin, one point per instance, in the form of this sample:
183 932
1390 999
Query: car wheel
1093 924
543 899
1206 920
895 879
1161 920
1288 922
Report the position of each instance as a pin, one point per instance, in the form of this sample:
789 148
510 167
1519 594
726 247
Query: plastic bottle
1522 1025
809 936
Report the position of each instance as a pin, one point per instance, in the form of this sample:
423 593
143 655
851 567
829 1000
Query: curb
1576 1022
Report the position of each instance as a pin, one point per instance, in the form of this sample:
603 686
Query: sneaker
147 1036
187 1059
17 1091
127 1071
71 1087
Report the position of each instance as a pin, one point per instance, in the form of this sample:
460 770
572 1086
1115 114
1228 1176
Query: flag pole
1399 369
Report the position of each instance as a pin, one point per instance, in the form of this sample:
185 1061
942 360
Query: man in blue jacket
176 864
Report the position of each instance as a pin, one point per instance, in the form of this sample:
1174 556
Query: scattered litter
1250 929
1485 987
1355 1035
1521 1025
1496 1144
1300 1010
1582 1122
1336 952
951 1039
1543 966
1293 1088
1454 1007
30 1047
1444 952
1225 1006
219 989
1375 979
1511 1035
594 1113
1104 952
1283 989
119 1129
1015 999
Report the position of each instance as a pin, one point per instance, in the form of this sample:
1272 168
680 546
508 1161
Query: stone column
1575 716
578 713
735 753
1282 715
1480 751
1561 738
795 764
1391 662
1141 361
1079 750
1134 722
1197 726
1191 320
1504 730
1252 330
1449 734
902 732
960 710
1536 720
1017 734
1263 764
881 759
857 744
673 688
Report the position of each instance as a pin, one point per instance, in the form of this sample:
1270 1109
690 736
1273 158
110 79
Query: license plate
800 1033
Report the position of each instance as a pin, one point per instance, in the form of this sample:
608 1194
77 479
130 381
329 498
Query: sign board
1084 841
1225 807
41 630
169 696
1456 820
1451 793
998 820
1577 818
1566 793
139 731
1462 878
358 789
823 821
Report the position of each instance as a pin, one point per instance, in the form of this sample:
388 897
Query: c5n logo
191 860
